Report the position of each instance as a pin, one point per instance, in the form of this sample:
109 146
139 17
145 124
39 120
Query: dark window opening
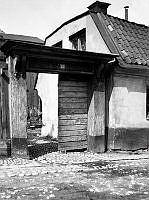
78 40
147 103
58 44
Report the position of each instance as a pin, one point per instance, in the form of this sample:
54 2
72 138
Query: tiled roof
131 39
23 38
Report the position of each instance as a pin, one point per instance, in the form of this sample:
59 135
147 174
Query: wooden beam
44 66
39 58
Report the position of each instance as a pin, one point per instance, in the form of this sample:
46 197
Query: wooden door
72 119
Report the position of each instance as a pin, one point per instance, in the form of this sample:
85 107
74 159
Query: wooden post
96 115
18 110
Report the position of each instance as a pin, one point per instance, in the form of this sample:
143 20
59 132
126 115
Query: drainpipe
110 63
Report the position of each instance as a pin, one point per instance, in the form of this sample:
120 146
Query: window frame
78 38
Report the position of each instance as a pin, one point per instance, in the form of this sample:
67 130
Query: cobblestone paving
83 176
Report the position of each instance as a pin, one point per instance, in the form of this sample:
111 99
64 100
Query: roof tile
132 40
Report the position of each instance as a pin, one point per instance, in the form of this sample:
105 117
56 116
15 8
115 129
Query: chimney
99 7
126 12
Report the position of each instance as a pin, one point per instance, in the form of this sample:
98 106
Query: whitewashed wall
127 106
94 41
47 89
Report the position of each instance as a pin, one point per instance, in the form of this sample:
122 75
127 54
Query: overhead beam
40 58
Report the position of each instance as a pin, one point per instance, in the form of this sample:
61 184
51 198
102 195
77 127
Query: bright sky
41 17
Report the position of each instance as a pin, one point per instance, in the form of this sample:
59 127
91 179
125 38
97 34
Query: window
147 103
58 44
78 40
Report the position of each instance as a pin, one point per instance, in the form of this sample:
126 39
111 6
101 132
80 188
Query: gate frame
25 57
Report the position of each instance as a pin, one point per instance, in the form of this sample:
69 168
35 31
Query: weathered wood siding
72 123
96 116
18 110
4 115
5 109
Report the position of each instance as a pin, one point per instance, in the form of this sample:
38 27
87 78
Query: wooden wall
72 123
18 110
4 114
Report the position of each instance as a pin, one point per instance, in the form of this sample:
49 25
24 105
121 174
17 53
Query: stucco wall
127 107
66 31
128 127
94 42
48 92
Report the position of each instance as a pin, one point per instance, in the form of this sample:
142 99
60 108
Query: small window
58 44
147 103
78 40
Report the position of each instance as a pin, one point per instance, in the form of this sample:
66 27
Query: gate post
96 115
18 110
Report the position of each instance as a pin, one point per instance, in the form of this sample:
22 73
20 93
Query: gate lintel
44 59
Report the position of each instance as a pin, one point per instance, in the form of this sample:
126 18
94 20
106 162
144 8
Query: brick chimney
99 7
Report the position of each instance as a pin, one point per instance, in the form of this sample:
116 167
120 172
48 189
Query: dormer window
78 40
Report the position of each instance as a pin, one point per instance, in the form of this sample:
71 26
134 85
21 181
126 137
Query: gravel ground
76 176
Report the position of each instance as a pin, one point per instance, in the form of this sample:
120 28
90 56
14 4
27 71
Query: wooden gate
4 115
72 123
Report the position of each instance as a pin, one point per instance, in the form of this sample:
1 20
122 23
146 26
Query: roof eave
67 22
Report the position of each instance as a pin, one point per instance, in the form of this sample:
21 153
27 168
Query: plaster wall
128 127
127 106
48 92
66 31
94 40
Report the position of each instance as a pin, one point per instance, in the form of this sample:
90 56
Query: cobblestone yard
83 176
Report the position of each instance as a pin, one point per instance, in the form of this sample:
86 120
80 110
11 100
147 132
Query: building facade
113 111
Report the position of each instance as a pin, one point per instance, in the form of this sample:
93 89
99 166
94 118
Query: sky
41 17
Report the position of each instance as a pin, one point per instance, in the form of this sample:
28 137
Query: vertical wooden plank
73 103
96 117
1 133
3 101
18 112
